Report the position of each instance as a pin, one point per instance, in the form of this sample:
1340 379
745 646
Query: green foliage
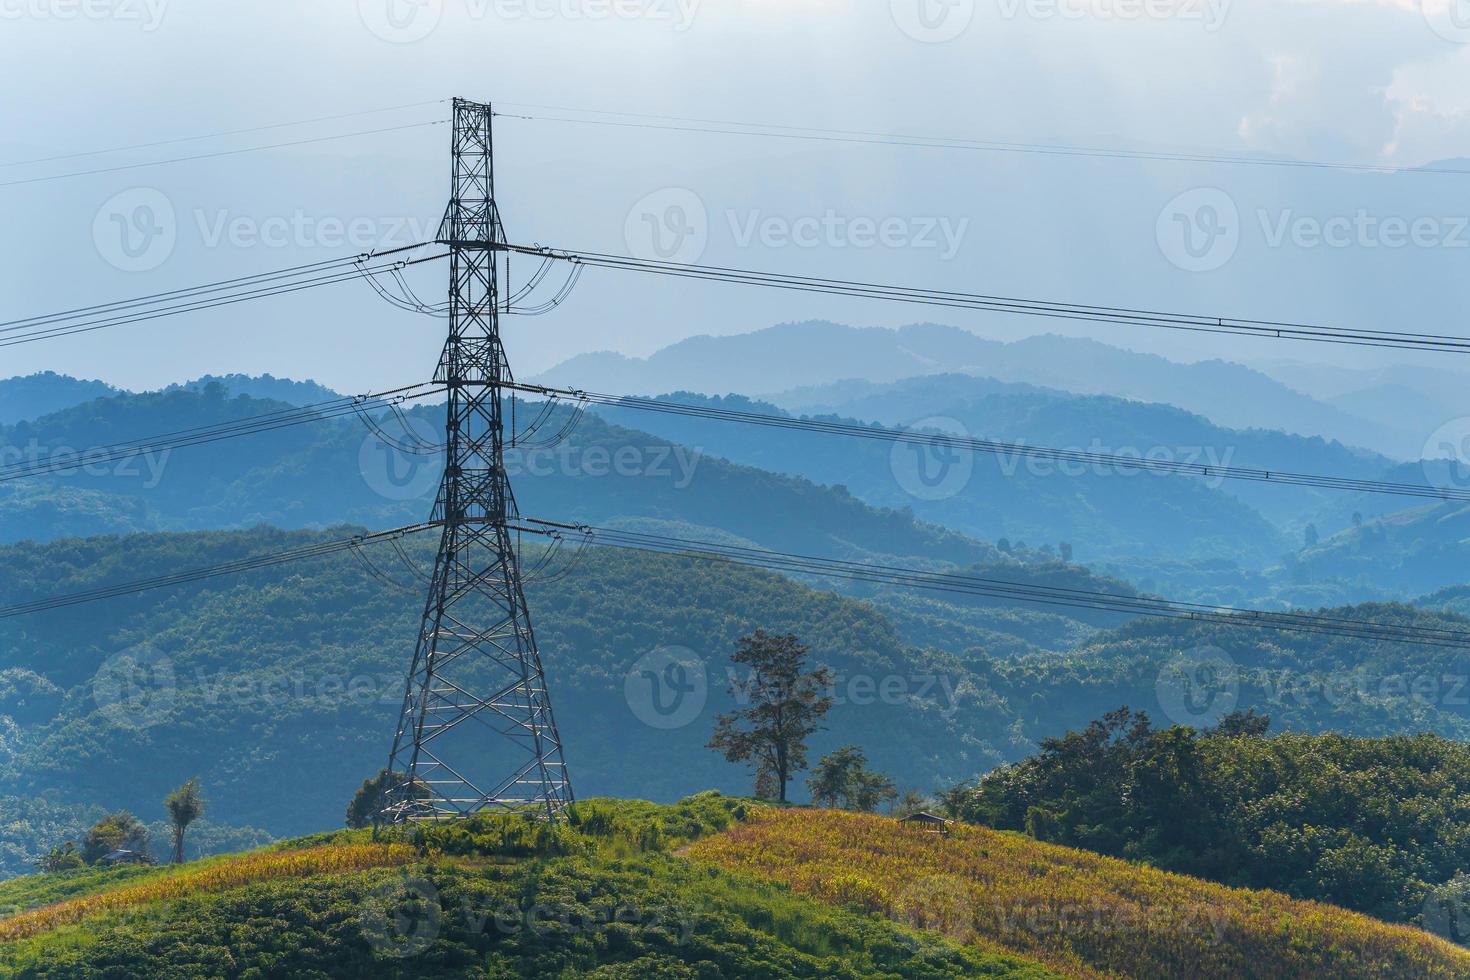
606 827
242 681
557 915
62 857
500 835
367 803
119 831
184 805
842 778
640 826
780 706
1378 825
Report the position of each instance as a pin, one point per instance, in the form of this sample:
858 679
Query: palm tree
184 806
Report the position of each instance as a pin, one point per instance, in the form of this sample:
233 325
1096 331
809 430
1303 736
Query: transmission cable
729 127
206 434
1003 304
986 587
219 135
204 297
882 433
251 563
218 154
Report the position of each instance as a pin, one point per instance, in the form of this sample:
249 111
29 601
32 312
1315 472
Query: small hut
927 822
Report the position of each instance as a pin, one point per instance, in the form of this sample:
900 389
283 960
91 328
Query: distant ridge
811 354
35 395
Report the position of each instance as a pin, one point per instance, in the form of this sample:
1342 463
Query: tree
1243 723
870 791
184 806
63 857
842 778
780 706
765 783
911 801
372 797
119 831
832 779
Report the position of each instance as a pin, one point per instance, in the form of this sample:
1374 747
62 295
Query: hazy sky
1367 82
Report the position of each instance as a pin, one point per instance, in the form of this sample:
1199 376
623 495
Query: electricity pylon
476 730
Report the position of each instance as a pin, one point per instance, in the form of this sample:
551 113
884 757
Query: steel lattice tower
476 728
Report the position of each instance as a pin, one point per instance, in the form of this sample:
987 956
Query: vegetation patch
1083 914
213 876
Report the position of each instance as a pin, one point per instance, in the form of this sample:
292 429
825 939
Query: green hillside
604 898
1380 825
286 682
332 472
713 887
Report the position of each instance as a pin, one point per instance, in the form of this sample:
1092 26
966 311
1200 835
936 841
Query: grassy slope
1082 914
327 907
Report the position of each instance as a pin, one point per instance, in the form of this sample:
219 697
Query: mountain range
1357 408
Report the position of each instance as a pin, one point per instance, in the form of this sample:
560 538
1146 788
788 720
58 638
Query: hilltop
711 888
497 896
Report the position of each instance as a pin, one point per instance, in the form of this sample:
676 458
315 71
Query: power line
1085 457
204 435
197 298
729 127
217 154
985 587
1281 330
795 564
219 135
250 563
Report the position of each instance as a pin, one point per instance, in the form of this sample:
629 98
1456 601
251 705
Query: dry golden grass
245 870
1080 913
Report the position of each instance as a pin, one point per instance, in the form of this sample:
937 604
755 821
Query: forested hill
1373 824
285 682
328 472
